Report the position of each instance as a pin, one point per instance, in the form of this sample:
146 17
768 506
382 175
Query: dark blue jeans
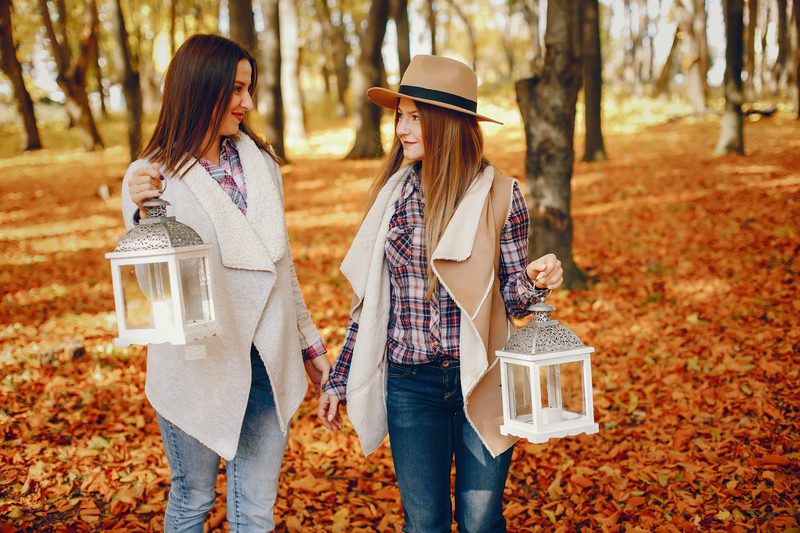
427 428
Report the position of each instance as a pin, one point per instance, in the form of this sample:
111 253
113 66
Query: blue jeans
252 474
427 428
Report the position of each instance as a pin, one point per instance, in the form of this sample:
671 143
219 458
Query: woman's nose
247 101
402 127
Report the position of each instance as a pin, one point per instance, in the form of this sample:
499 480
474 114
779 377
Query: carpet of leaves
694 314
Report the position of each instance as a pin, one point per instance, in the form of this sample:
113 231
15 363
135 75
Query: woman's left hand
318 370
546 272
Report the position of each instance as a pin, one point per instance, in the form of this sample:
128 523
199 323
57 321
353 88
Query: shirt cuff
315 350
336 389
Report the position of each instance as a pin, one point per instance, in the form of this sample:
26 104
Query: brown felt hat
437 81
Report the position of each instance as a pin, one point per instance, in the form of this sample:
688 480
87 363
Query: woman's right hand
145 183
328 412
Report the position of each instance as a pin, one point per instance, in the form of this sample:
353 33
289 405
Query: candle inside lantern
552 415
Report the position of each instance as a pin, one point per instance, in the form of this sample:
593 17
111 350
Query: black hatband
439 96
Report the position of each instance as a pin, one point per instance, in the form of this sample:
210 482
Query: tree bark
473 44
13 70
547 105
531 11
796 73
592 83
369 73
71 72
400 16
780 70
691 15
662 82
730 137
334 33
242 24
290 71
750 49
431 12
98 73
129 78
270 82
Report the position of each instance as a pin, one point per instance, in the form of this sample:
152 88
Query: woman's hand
546 272
145 183
318 370
328 412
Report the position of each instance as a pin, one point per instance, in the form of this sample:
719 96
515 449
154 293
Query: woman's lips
239 116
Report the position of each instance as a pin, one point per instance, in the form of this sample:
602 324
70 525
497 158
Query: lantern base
539 437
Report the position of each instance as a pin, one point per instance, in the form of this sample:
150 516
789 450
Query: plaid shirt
229 173
230 176
422 330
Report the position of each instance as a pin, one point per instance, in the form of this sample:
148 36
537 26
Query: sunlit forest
672 126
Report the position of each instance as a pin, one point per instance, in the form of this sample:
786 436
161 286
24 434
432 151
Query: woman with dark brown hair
231 395
438 266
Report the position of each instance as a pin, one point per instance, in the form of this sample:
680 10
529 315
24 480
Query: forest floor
694 315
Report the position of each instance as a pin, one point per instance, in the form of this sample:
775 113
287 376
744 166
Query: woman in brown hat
437 267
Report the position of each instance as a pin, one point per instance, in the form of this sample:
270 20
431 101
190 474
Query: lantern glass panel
148 295
522 404
562 392
194 283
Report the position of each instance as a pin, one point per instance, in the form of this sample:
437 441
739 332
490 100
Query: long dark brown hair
197 90
453 145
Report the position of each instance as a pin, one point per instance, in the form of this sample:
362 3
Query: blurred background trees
78 61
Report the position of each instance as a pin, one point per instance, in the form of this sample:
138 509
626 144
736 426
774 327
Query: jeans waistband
440 362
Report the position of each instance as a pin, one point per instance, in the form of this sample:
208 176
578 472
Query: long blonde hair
453 145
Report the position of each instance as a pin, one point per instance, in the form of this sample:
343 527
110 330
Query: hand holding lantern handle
545 272
146 183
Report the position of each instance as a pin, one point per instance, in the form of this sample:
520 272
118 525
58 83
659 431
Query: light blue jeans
428 430
252 474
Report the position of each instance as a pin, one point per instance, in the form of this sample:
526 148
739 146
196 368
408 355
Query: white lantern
546 380
162 283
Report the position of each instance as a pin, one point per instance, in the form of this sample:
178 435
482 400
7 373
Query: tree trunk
730 137
547 105
796 72
780 70
13 70
750 49
290 70
763 71
369 73
334 33
129 78
662 82
98 75
692 24
242 24
173 16
270 82
592 83
71 72
473 45
531 11
400 17
431 24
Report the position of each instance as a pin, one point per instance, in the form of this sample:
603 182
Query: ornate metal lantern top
542 334
157 231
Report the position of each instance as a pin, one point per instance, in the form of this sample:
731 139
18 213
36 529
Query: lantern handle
540 296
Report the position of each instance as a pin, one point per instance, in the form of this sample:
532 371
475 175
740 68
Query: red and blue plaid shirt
422 330
229 173
230 176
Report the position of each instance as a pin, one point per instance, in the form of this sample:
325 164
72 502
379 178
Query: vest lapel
254 242
356 265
